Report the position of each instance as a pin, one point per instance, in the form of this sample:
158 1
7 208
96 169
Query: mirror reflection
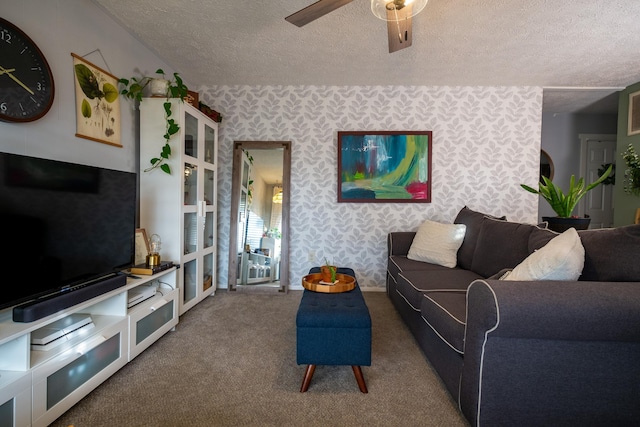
546 166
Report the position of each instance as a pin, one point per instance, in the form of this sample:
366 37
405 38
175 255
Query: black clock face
26 82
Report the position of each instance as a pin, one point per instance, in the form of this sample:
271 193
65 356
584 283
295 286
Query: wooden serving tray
345 283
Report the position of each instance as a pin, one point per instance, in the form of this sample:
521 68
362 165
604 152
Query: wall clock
26 82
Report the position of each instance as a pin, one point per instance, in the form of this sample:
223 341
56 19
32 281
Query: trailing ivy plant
134 88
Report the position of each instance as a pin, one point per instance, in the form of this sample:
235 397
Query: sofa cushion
560 259
412 285
399 263
611 254
445 312
501 244
437 243
473 221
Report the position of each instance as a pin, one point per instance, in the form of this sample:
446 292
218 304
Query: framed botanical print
97 103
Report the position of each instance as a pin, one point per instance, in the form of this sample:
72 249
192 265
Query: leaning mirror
259 229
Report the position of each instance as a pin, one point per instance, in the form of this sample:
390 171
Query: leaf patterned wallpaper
486 141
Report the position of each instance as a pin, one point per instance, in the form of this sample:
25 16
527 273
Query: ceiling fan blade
315 11
399 28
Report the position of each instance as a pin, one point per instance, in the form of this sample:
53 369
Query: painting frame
634 114
384 166
142 248
98 114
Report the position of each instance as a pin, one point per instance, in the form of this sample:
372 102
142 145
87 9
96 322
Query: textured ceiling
569 47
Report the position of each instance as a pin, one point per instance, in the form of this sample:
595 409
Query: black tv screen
62 225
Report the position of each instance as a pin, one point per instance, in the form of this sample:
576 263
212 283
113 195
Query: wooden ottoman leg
307 378
357 371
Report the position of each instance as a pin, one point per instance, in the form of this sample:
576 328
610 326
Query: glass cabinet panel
208 230
190 281
190 184
190 233
207 272
190 135
209 187
209 144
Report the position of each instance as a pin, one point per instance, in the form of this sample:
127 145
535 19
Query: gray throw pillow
501 244
473 220
611 254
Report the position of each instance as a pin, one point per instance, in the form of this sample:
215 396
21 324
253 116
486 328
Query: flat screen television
62 226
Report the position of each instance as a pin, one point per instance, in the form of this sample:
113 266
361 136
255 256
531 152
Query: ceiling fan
397 13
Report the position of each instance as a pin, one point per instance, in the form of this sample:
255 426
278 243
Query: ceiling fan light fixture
380 8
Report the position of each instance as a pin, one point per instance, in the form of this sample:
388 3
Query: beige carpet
232 362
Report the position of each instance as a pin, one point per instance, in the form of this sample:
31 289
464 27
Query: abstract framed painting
384 166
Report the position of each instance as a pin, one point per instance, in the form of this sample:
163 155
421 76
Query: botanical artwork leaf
110 92
88 82
86 109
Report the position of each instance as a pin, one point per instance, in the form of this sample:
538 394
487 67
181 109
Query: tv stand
37 386
50 304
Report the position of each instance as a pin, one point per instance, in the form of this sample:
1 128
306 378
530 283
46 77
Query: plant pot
325 272
559 225
158 87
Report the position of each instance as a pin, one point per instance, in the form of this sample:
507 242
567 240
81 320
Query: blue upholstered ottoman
333 329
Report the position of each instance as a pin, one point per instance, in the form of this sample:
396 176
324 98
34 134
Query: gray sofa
527 352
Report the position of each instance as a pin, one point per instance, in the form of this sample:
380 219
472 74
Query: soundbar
50 304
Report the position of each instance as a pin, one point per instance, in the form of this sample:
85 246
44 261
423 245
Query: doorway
259 228
597 152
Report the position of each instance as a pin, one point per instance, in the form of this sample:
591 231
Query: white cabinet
39 385
181 207
152 318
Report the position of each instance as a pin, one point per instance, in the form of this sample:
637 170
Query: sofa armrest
399 242
564 310
525 342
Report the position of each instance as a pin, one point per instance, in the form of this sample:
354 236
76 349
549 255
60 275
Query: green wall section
625 204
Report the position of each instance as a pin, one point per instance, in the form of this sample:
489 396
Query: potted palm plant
564 204
136 87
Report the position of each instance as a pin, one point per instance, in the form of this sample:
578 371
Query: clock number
3 106
5 36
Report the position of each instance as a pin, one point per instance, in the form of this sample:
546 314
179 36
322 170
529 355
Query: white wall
485 143
79 26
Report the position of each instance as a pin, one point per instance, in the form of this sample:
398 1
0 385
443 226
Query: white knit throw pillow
437 243
562 258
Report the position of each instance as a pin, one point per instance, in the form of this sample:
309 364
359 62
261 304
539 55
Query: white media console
48 365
